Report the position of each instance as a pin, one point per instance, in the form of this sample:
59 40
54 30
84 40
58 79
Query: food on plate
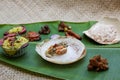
33 36
57 49
72 34
62 50
106 31
97 63
63 27
16 30
14 46
45 30
54 36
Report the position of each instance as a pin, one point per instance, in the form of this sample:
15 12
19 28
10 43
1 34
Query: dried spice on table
62 27
97 63
44 30
33 36
72 34
68 32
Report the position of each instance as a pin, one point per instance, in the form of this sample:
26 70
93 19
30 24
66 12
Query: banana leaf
77 71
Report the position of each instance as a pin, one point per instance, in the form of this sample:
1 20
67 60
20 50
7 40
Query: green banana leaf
77 71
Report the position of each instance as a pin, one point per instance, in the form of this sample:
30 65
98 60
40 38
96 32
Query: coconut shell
75 50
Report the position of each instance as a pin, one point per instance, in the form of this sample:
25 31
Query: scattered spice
33 36
44 30
97 63
67 29
63 27
72 34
